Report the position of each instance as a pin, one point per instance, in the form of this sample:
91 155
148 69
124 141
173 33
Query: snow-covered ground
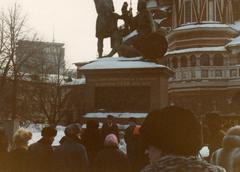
36 133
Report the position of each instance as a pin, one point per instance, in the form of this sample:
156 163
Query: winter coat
135 151
40 156
18 160
111 159
171 163
71 156
91 139
229 155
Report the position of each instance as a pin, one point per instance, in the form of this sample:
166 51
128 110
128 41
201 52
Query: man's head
21 138
125 4
49 133
172 130
110 119
73 131
92 124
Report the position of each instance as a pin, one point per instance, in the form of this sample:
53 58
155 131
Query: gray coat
71 156
229 155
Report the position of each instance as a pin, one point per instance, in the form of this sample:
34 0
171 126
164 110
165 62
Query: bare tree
48 92
12 29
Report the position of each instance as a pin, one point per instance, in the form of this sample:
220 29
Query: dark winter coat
91 139
40 156
70 157
228 156
18 160
130 140
171 163
135 151
111 159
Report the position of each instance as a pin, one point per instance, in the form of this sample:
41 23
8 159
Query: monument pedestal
120 84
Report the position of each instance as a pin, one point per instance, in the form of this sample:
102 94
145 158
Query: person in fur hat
18 155
40 153
172 140
91 139
229 155
111 158
71 156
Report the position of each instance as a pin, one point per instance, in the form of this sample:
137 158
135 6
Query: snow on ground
116 115
36 133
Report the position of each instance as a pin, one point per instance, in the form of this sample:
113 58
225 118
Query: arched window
193 60
204 60
174 62
218 60
183 61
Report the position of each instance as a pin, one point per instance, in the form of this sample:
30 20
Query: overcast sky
73 22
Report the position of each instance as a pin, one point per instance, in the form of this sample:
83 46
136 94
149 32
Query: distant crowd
169 140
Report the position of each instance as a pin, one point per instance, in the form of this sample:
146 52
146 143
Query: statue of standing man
106 23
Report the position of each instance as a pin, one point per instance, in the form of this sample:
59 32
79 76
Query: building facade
204 52
37 57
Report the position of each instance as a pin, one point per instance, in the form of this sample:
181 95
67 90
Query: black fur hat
49 132
173 130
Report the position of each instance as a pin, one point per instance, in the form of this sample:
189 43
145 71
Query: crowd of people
168 140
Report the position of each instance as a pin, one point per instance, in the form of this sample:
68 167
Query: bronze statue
142 37
139 37
150 41
106 23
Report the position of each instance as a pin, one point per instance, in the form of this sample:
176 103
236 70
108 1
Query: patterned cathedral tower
204 52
